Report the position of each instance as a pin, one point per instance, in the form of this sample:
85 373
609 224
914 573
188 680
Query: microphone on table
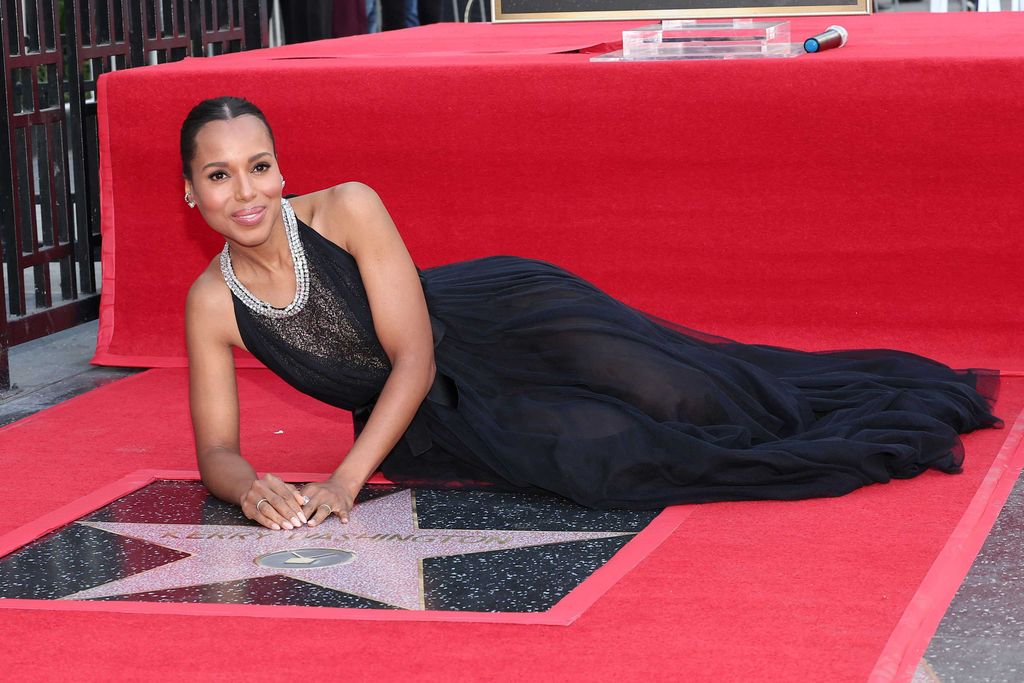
833 36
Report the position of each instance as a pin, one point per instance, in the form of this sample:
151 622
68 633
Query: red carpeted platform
867 196
768 591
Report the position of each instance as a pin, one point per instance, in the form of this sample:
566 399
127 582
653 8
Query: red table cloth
866 196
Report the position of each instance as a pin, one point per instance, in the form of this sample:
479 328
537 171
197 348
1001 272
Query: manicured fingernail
312 522
345 520
303 518
286 525
275 527
295 521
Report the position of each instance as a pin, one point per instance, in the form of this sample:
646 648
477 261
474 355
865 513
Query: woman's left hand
326 498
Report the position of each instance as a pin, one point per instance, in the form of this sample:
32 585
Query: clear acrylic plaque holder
707 39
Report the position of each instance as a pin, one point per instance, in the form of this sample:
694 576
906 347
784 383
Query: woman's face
235 182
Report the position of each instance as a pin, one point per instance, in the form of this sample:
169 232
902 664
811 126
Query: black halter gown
545 382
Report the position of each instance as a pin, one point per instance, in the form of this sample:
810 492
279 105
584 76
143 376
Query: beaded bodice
327 347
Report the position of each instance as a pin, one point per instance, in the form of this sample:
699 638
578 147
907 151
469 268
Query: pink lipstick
250 216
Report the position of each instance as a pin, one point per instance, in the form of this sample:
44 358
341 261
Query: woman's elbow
419 369
430 371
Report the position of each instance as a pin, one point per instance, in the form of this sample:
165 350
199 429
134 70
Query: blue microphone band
833 36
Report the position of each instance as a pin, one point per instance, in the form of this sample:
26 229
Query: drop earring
188 200
282 183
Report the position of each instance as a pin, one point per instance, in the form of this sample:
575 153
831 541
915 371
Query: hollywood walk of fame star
378 555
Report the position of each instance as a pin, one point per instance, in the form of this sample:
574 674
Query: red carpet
807 590
868 196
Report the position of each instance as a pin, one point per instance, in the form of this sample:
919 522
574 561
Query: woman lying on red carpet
514 372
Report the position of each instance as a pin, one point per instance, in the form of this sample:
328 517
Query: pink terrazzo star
383 534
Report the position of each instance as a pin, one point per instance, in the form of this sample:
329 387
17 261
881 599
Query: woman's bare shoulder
351 196
339 211
209 298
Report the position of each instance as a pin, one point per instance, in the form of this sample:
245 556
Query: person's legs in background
306 20
430 11
350 18
397 14
372 16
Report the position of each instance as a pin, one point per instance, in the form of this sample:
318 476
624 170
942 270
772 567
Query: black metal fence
53 52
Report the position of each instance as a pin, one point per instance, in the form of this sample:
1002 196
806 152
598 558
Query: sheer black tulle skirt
563 388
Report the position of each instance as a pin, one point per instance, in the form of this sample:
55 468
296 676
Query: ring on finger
325 505
261 501
305 500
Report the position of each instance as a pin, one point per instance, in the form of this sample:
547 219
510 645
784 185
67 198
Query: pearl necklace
291 230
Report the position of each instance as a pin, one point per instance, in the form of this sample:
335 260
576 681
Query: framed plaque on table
581 10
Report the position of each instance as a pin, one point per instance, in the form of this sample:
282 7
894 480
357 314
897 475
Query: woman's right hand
274 503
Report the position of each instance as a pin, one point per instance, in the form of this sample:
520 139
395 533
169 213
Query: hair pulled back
214 109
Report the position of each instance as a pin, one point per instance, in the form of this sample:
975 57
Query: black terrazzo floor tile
266 590
520 580
75 558
454 550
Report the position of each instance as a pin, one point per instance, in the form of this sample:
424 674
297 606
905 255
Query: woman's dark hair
215 109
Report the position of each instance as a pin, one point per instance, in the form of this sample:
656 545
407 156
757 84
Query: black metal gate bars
53 52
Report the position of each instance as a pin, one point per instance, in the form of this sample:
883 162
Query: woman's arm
353 216
213 401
